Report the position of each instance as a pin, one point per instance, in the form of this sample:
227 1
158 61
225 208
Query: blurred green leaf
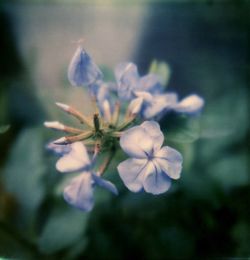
231 171
241 235
4 128
182 129
23 174
64 228
162 69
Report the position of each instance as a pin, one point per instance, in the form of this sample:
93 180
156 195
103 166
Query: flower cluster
126 114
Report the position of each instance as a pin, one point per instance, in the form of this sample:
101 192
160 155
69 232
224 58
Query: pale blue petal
82 70
132 173
127 69
127 79
105 184
146 96
79 192
75 160
136 142
135 106
152 128
158 104
170 161
191 105
58 149
155 181
171 100
150 83
103 92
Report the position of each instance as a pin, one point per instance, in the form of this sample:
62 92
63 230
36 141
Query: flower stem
104 166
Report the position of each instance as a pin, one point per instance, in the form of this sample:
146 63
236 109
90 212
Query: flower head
151 166
79 192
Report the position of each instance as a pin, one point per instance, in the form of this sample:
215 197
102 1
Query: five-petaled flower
79 191
151 167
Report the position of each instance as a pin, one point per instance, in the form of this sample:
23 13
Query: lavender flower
151 167
80 191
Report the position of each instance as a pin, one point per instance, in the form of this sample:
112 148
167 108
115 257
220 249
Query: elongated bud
134 107
58 126
75 138
107 111
115 116
54 125
82 70
72 111
127 122
63 106
61 140
116 134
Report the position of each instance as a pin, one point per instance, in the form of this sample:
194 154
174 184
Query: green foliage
181 129
24 174
4 128
64 228
162 69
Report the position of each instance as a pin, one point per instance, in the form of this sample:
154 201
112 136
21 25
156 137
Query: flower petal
75 160
105 184
155 181
131 172
170 161
127 69
82 70
135 106
58 149
136 142
158 104
128 80
150 83
191 104
79 192
152 128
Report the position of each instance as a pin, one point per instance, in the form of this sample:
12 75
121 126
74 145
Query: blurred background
206 213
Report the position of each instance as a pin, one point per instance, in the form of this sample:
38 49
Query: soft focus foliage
205 214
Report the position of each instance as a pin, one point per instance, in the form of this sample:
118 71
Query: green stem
107 162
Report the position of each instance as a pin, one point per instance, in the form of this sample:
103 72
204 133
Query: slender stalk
126 123
72 111
115 116
61 127
104 166
71 139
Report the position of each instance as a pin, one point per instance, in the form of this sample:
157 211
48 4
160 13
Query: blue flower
79 192
82 70
151 166
129 81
